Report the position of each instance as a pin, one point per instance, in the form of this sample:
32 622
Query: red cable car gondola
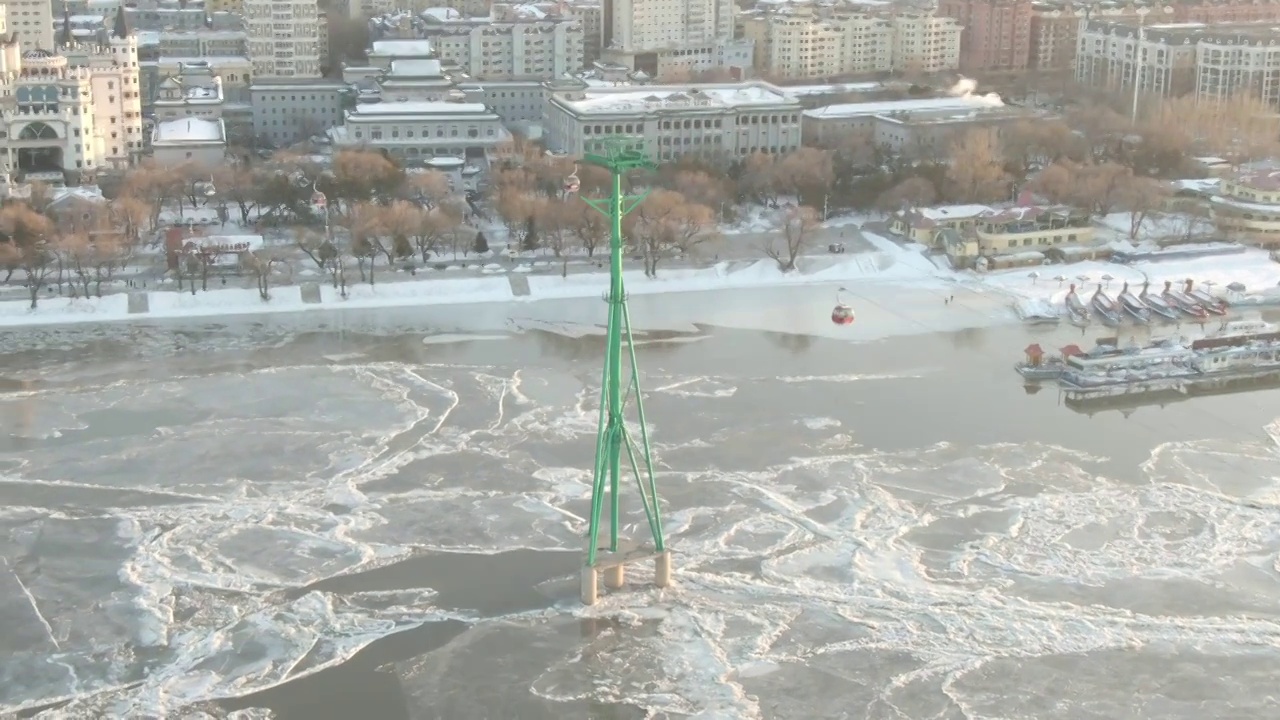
842 314
572 183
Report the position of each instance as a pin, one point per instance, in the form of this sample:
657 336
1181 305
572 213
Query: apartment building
798 44
926 42
32 22
510 49
284 38
1174 59
997 33
664 38
729 120
591 14
192 43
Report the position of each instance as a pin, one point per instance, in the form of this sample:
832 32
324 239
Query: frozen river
379 517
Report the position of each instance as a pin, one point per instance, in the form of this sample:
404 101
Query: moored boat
1183 302
1106 307
1157 304
1212 304
1133 306
1076 308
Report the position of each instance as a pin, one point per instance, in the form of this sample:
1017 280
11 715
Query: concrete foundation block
662 569
590 590
139 303
615 577
310 293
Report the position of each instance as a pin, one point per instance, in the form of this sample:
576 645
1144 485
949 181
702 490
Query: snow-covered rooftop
213 62
601 100
402 48
418 108
189 131
953 212
417 67
441 13
852 110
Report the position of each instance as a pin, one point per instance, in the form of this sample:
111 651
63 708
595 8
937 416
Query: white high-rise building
32 22
284 38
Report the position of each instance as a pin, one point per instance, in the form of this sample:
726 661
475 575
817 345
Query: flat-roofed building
713 120
414 132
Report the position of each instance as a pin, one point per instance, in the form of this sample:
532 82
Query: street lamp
1137 57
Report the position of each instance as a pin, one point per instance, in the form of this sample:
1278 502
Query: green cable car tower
615 443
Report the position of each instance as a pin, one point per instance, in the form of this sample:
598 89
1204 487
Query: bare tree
364 222
759 178
910 193
261 264
797 230
321 250
1142 197
429 188
27 245
589 227
518 210
975 172
666 223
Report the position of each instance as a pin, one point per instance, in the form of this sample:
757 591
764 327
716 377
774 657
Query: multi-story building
1236 60
286 112
32 22
1055 24
1031 229
900 122
726 120
236 74
997 33
671 37
814 43
224 6
284 38
414 132
930 133
192 43
1247 207
69 116
517 103
1161 58
508 47
112 61
591 14
924 42
196 92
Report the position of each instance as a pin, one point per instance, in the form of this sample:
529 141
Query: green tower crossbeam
612 438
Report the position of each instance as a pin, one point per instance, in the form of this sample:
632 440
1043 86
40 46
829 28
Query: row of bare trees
76 247
530 197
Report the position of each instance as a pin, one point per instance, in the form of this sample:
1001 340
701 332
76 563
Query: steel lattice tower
613 439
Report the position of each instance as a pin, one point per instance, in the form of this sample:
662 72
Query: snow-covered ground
1252 268
891 274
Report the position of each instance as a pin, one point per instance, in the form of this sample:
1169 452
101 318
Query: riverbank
402 290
